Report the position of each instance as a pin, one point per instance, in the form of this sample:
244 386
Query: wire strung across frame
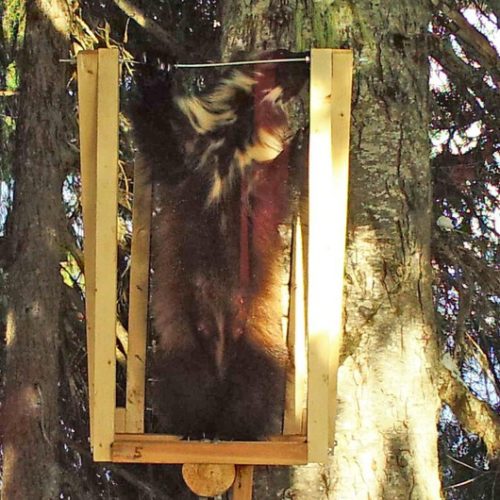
305 59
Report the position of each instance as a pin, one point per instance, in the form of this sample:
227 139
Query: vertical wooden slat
106 253
87 114
342 62
138 315
120 415
331 79
243 484
321 242
296 340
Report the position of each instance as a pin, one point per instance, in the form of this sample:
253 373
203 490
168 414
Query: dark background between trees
419 384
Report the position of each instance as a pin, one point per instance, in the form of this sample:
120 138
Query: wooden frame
98 108
330 113
117 433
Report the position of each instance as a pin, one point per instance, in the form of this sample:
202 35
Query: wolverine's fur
220 165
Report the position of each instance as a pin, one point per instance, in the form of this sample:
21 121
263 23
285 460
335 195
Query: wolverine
220 163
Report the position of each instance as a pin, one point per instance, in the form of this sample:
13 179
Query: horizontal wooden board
158 449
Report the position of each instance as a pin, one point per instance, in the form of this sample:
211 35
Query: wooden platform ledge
165 449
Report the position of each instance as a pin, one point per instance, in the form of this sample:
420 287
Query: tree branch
133 479
150 490
149 25
494 5
459 71
475 415
469 35
473 37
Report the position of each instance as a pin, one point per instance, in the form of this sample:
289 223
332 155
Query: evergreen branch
476 351
139 483
494 5
469 35
475 39
475 415
149 25
459 72
453 459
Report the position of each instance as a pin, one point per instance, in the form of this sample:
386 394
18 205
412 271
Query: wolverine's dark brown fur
220 164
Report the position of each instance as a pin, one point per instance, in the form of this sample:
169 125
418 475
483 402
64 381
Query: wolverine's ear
292 76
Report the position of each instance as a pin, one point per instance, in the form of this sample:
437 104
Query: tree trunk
386 437
389 406
30 419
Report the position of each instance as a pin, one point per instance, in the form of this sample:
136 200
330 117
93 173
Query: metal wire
305 59
240 63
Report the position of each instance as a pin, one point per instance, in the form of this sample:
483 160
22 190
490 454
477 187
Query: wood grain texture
342 65
208 480
331 81
141 448
319 255
139 295
243 484
295 399
106 253
87 114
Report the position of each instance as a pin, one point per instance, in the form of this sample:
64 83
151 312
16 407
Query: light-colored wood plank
289 438
296 339
170 438
320 264
106 253
138 307
87 118
329 150
342 63
148 438
164 449
120 414
209 480
243 484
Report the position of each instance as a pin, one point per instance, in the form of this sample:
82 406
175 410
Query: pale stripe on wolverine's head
216 109
210 114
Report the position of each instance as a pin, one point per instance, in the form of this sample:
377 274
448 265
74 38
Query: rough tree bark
386 438
387 426
30 415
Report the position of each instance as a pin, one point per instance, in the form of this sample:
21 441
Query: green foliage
12 77
13 24
467 472
71 273
13 21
